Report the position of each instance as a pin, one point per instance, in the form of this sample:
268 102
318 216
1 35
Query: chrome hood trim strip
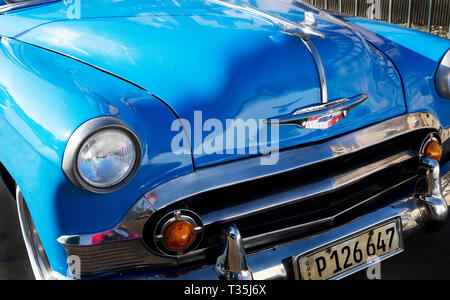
304 31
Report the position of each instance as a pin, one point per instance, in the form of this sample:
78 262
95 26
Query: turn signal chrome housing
432 148
178 232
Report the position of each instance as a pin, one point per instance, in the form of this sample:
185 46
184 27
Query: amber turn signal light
433 150
179 236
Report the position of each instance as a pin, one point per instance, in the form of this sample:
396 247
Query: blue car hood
218 60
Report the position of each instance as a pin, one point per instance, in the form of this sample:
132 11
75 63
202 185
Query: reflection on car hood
222 61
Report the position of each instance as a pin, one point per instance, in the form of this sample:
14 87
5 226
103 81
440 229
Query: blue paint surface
149 63
417 56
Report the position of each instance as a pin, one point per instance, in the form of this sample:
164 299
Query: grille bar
285 233
445 181
307 191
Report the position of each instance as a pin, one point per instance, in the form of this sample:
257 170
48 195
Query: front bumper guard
232 260
430 193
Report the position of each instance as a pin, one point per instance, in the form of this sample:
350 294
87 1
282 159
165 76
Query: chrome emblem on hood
322 116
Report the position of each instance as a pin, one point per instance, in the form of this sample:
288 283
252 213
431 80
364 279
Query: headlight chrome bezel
443 77
76 142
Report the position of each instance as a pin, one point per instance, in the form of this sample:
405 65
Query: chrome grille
100 258
291 205
356 160
446 187
120 256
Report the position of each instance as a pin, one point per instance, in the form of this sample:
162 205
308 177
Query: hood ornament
310 20
306 28
321 116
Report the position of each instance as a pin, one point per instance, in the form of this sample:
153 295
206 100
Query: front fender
44 97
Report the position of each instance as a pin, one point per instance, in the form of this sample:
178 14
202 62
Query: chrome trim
317 60
304 31
301 28
302 192
292 159
430 192
429 138
176 217
310 20
83 133
445 136
129 229
168 220
442 78
301 116
250 169
445 183
128 234
36 253
268 237
24 4
277 262
231 261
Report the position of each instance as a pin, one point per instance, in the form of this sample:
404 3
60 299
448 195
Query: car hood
211 63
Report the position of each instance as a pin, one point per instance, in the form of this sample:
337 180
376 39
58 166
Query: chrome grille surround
445 182
129 231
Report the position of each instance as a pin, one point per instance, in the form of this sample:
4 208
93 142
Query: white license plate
352 253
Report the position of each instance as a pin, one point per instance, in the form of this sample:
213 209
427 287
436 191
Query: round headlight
102 155
106 158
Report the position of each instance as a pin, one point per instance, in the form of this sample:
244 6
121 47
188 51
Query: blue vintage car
247 139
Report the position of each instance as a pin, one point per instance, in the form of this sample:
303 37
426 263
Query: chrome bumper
426 210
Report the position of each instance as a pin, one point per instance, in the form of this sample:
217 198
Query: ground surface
13 258
426 255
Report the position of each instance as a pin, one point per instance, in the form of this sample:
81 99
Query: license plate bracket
349 254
